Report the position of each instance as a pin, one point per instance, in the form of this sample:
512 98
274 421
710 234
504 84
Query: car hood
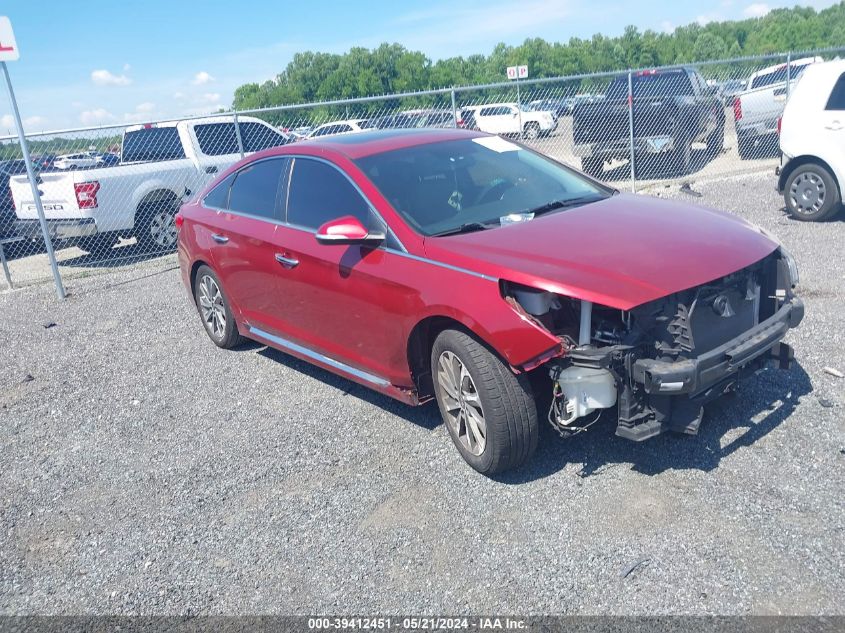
620 252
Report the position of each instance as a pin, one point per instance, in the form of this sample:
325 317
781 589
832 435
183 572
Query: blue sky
97 62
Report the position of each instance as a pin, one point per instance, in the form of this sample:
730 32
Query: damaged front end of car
661 361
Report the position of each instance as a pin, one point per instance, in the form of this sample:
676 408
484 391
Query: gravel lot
142 470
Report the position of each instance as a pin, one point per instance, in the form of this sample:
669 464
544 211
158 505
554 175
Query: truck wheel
488 410
716 141
811 194
593 166
98 245
531 130
745 148
214 309
682 157
154 225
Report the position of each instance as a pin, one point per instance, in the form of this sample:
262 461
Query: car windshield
474 183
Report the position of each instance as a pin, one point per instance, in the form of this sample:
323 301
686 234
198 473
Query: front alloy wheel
489 411
464 413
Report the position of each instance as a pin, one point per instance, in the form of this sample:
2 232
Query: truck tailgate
603 121
58 196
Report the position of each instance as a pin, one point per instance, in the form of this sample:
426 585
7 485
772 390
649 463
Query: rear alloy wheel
531 131
156 228
716 141
214 309
811 194
489 411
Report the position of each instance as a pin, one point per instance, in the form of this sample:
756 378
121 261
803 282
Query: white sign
8 47
517 72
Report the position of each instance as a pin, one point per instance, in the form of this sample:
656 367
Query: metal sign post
9 52
517 73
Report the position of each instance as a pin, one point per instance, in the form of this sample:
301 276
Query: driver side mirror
347 230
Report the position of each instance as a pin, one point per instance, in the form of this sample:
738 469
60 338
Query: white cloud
96 117
211 97
178 95
707 18
147 106
126 68
202 78
105 78
756 10
30 124
667 27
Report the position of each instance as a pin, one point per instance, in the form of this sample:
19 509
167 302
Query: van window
836 101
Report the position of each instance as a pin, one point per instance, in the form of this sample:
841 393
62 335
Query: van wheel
154 225
488 410
214 309
531 130
811 194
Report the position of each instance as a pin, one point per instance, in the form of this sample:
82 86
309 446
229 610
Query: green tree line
391 68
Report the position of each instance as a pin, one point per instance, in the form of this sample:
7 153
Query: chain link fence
110 193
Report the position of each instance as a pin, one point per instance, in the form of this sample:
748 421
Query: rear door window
255 190
153 143
257 137
217 139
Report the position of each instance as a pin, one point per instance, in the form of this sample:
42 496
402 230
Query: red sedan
460 266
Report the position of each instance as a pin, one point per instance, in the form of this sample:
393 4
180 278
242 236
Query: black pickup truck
672 109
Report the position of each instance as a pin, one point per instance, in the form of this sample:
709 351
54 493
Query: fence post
631 131
454 109
36 195
788 71
238 134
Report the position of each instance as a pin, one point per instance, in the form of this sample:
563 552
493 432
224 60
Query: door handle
211 169
220 239
835 126
287 262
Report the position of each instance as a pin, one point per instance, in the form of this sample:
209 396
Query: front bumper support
693 376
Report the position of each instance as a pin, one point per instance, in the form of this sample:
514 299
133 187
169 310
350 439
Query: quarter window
256 188
218 198
318 193
836 101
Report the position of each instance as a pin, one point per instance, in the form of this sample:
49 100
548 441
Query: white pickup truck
162 164
758 108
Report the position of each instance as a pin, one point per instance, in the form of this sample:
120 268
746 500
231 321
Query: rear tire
97 245
531 131
214 309
745 148
811 194
716 141
593 167
155 227
488 410
682 157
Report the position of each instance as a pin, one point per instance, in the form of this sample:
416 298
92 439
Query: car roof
373 142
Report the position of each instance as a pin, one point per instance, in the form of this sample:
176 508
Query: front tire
214 309
98 245
489 411
811 194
